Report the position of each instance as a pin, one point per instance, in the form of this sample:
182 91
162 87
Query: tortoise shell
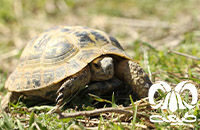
58 53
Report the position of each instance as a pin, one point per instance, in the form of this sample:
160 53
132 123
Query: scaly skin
134 75
70 87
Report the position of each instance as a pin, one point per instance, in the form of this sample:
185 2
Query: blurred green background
144 28
147 29
139 25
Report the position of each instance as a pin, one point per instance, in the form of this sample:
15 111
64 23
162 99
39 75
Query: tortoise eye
96 66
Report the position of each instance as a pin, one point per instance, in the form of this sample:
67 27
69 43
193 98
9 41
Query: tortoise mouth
102 77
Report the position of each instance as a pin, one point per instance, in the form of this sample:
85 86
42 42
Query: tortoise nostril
109 67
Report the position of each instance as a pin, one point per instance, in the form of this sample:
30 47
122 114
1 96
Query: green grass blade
113 100
19 125
134 117
32 119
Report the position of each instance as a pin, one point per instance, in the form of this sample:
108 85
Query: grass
21 20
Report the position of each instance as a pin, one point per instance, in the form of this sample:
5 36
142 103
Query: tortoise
62 60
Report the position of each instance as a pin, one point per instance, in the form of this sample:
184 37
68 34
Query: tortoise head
102 68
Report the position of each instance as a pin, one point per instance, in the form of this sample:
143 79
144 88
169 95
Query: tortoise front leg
134 75
70 86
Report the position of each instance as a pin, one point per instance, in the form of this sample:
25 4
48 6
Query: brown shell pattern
58 53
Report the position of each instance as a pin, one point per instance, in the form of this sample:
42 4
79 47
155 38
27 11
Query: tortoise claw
60 90
60 96
64 85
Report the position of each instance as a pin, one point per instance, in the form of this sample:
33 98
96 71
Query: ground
153 32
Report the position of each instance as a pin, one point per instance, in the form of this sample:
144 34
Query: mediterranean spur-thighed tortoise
62 60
